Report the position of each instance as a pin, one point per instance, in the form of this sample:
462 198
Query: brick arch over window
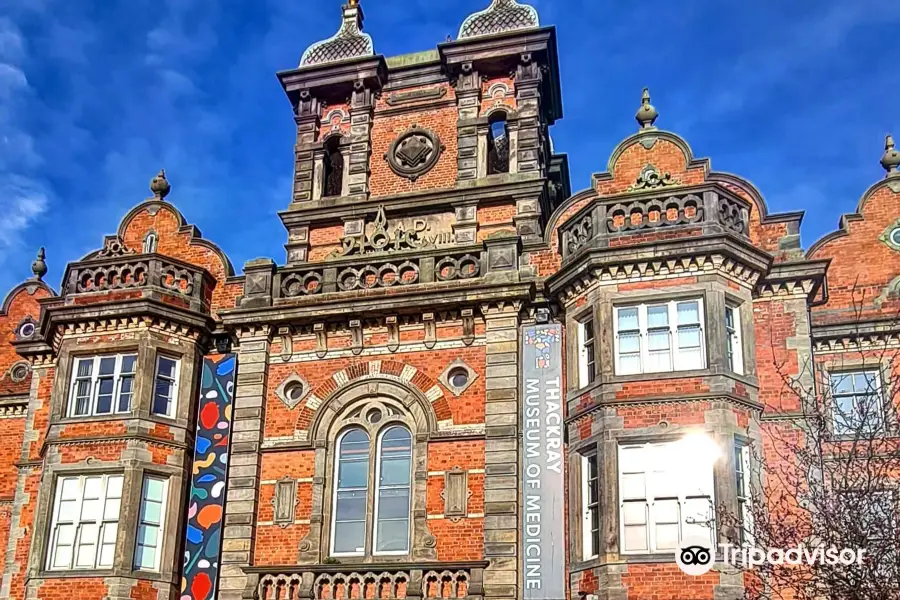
421 388
345 407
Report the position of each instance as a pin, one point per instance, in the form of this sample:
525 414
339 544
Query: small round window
19 372
895 237
458 378
26 330
294 392
374 416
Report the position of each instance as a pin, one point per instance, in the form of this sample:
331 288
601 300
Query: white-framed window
85 522
102 385
150 523
165 388
663 498
586 353
658 337
590 507
733 344
390 493
857 403
742 473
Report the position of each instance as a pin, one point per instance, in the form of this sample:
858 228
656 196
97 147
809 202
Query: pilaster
308 118
244 469
468 103
528 103
362 107
501 482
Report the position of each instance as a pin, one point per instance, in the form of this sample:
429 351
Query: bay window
85 522
663 498
389 492
659 337
102 385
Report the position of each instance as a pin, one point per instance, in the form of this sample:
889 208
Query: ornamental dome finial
501 16
891 159
349 42
159 185
646 114
39 266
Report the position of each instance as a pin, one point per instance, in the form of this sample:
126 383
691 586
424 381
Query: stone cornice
860 336
798 279
724 254
334 210
431 297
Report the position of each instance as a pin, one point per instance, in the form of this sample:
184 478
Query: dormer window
333 168
150 243
498 144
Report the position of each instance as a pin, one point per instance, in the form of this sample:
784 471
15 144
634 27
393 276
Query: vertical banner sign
543 518
206 504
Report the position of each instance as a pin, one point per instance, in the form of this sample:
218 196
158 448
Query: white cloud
22 201
12 80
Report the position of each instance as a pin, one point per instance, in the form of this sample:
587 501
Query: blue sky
96 96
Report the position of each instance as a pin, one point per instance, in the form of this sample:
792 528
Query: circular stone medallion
414 153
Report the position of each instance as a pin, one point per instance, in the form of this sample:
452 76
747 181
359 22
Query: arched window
372 516
150 243
498 144
351 493
392 501
334 167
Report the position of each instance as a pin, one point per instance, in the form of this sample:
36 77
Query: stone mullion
501 484
308 121
245 462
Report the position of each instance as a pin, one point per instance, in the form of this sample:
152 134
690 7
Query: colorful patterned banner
206 504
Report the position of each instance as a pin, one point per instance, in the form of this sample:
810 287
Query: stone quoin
463 380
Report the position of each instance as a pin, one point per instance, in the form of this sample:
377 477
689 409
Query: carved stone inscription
381 236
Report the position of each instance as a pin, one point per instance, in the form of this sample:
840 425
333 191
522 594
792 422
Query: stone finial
891 159
159 185
646 114
39 266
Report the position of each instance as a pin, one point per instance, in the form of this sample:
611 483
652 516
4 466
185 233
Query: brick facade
401 304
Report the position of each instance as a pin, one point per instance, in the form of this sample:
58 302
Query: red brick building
356 423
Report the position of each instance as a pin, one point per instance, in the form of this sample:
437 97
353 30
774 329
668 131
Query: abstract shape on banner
206 503
542 339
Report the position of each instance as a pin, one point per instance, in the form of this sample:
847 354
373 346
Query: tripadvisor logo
695 556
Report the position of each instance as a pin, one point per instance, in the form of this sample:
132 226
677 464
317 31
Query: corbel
393 333
356 336
321 339
468 322
430 330
287 343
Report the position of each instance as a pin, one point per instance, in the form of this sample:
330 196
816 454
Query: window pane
393 536
112 509
166 367
635 538
153 489
690 359
148 535
128 363
633 486
349 537
658 340
107 366
630 364
666 536
629 343
628 318
634 513
82 397
688 313
126 389
353 473
393 504
657 316
729 318
63 557
162 397
842 384
145 557
114 486
395 471
689 337
351 506
105 395
85 367
697 515
68 510
665 511
65 535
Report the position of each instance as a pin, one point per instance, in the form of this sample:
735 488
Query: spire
349 42
891 159
39 266
501 16
159 185
646 114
